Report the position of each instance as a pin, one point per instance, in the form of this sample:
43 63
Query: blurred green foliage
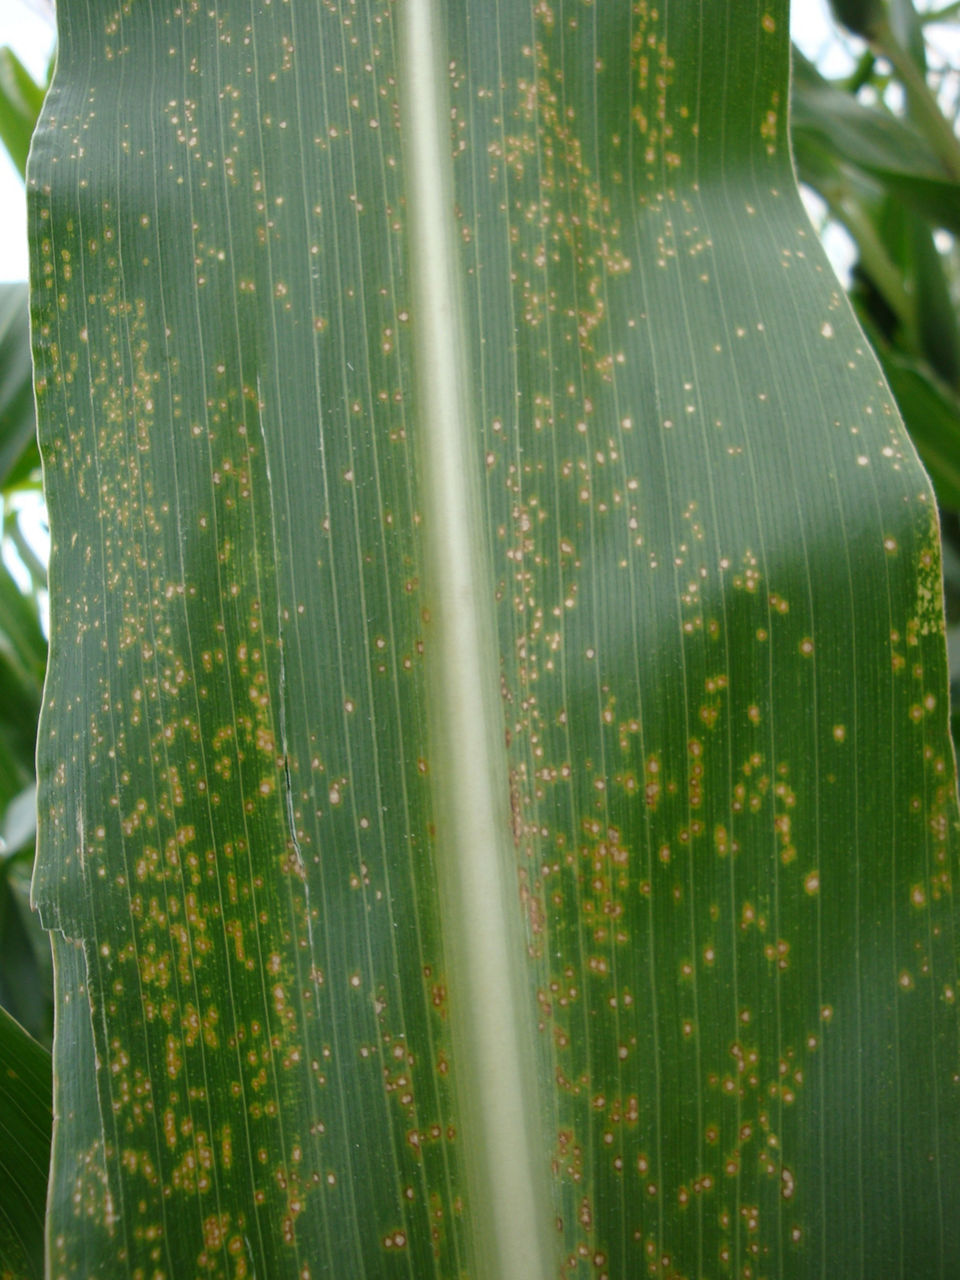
26 974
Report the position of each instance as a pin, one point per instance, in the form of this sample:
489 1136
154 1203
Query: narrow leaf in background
18 452
20 102
25 1123
869 139
701 658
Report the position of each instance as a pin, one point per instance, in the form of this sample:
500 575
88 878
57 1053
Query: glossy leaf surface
497 812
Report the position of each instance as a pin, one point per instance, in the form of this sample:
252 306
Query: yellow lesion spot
173 1059
652 790
170 1128
215 1231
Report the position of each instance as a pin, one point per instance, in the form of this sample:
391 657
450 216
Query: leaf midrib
498 1082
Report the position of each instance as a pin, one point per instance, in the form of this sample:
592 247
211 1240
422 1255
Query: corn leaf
18 446
25 1123
497 815
20 101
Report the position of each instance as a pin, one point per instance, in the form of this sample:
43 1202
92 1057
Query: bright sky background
27 26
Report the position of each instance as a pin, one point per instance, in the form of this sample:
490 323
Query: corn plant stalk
497 676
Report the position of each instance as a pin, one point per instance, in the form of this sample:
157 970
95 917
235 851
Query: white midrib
497 1082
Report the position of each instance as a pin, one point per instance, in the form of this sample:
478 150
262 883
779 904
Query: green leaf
19 826
25 969
863 17
25 1123
22 665
918 317
497 812
827 119
25 963
932 415
907 26
936 313
20 103
21 637
18 442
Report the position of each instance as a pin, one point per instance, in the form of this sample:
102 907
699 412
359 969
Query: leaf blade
713 626
25 1124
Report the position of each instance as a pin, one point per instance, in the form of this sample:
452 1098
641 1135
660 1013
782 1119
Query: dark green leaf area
718 628
22 655
24 954
236 807
698 682
861 16
25 1121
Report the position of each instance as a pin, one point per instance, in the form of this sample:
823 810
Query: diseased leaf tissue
723 790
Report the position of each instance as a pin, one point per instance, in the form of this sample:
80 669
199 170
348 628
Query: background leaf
25 1123
25 965
20 102
871 140
18 449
